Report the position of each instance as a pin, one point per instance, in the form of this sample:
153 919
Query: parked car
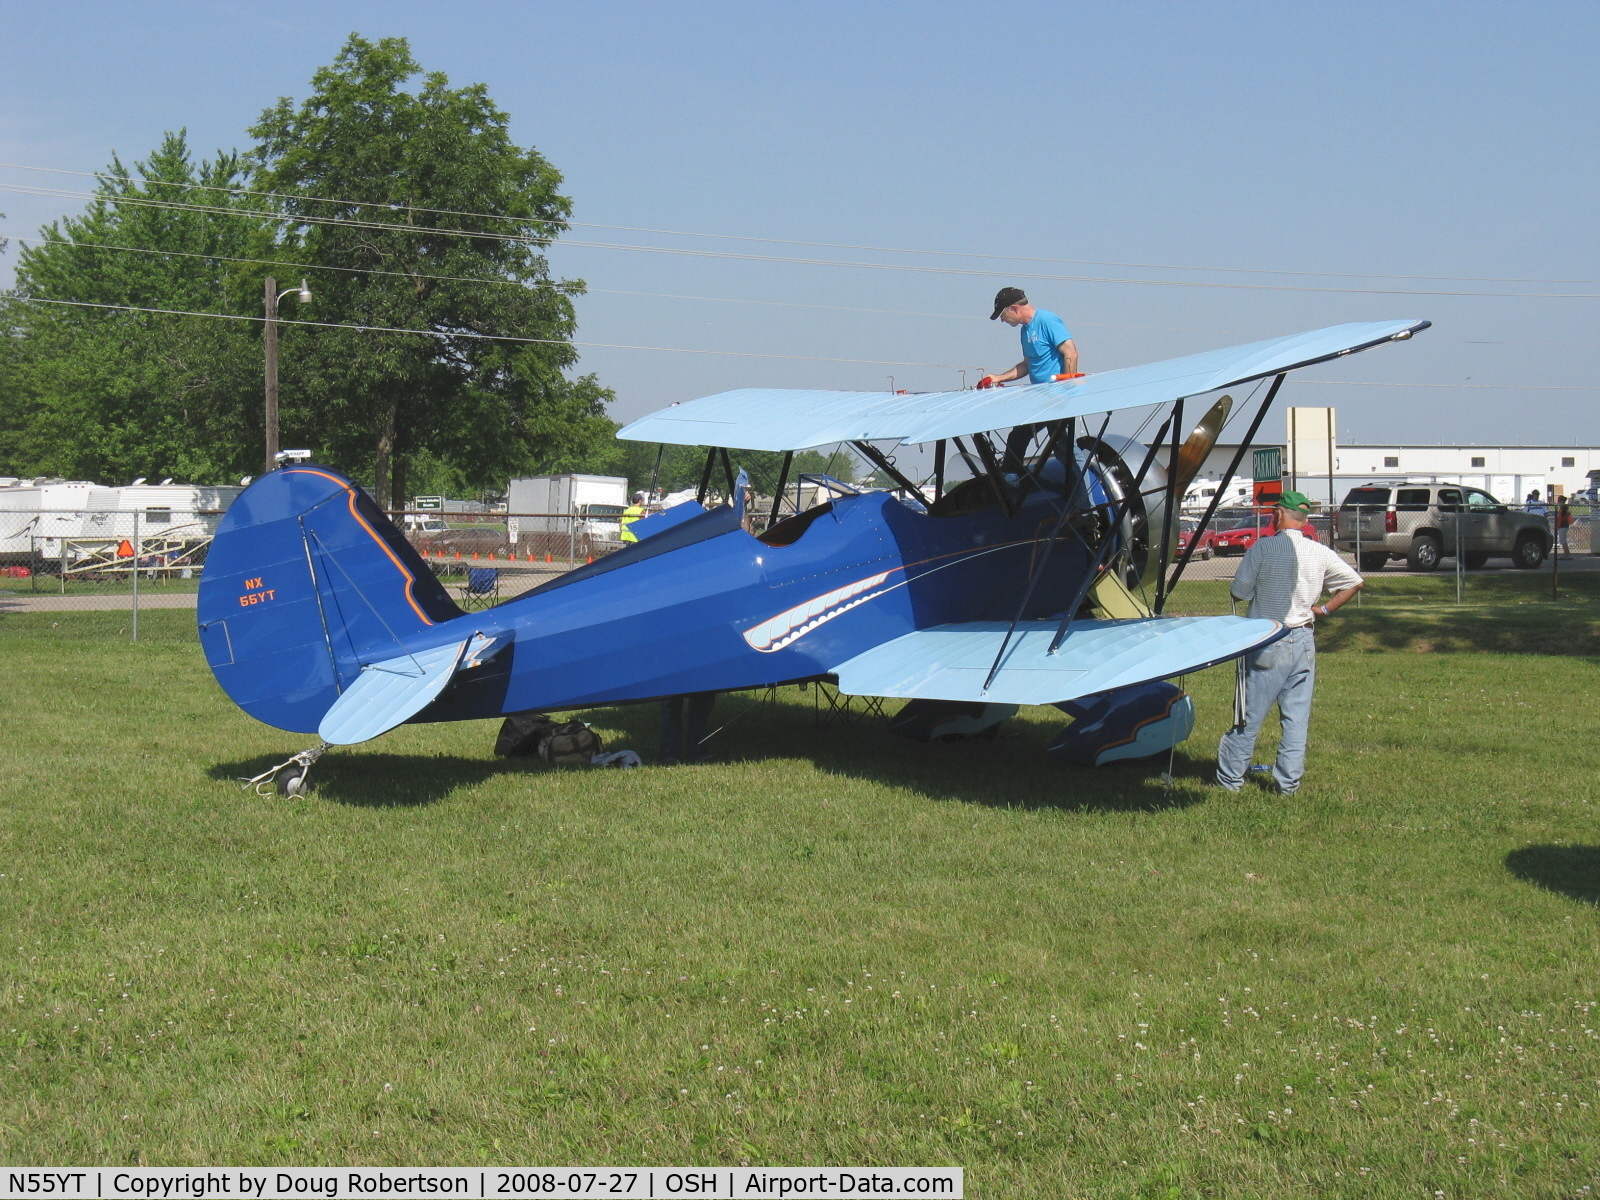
1206 547
1240 534
1424 522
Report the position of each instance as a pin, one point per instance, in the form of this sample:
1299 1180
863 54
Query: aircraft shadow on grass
382 780
1008 771
1567 870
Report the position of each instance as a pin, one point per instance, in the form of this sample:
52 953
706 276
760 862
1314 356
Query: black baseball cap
1005 298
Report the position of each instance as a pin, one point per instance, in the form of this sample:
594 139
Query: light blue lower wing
951 662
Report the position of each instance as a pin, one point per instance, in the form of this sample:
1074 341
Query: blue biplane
1026 582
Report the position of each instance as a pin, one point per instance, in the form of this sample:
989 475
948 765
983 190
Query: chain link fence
1472 552
135 575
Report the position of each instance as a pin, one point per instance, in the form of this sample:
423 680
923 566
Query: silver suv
1423 522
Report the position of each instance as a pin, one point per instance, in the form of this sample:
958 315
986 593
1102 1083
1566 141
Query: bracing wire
545 240
391 206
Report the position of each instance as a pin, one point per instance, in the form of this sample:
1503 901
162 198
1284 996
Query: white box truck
583 511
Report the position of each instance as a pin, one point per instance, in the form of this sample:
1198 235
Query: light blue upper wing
951 662
783 419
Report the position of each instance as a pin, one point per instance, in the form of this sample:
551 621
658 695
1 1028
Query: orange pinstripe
371 532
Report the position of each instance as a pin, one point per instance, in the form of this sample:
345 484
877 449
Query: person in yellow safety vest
629 515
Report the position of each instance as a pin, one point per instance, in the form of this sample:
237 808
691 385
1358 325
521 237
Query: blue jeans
1283 673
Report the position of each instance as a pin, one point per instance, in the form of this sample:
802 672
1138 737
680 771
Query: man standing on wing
1047 347
1282 577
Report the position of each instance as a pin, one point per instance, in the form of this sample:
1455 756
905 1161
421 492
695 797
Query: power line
592 291
730 255
485 337
1487 387
273 262
880 362
1087 262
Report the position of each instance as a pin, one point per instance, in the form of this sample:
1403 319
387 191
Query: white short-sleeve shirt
1284 575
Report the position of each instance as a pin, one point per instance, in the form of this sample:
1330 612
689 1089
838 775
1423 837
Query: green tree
109 394
383 188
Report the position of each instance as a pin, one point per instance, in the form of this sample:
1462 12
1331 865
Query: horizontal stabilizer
391 692
951 662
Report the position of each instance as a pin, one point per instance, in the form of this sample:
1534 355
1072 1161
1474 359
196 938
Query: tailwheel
290 777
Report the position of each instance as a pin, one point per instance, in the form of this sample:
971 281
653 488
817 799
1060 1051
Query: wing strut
1080 487
991 466
885 464
777 492
705 476
1170 506
1222 490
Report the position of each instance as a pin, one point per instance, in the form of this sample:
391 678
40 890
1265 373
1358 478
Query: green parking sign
1268 464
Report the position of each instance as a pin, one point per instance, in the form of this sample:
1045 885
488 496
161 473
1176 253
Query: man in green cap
1282 577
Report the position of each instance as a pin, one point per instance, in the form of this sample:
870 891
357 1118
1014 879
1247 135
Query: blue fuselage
719 609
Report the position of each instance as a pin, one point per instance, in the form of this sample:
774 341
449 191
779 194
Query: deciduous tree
385 190
107 394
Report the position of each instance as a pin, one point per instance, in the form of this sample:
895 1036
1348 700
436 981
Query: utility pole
272 295
271 340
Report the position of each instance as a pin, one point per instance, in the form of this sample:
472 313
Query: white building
1508 473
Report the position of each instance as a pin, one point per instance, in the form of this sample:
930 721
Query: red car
1241 534
1208 540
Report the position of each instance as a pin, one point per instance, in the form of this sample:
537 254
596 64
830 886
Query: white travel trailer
1202 490
181 511
75 521
37 515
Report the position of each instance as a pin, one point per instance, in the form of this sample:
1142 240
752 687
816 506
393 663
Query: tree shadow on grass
385 780
1569 870
1510 613
1520 629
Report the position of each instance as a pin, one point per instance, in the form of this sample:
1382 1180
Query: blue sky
1447 149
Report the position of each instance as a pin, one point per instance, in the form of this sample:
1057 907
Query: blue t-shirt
1041 338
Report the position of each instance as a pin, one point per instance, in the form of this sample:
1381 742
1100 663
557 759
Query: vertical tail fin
305 581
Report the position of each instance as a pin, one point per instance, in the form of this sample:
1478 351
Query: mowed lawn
832 946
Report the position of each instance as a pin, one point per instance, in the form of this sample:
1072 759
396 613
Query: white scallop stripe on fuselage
794 623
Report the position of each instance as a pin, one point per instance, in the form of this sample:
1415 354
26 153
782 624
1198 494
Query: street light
273 295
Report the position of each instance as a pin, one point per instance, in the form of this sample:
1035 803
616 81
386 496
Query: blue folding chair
481 589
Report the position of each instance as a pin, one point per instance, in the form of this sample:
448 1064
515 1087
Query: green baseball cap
1295 502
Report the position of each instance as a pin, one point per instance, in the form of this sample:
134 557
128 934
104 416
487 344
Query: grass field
832 946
